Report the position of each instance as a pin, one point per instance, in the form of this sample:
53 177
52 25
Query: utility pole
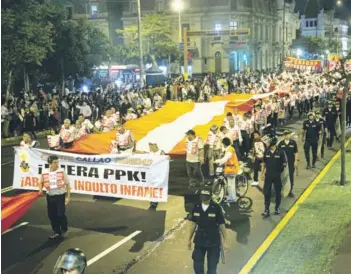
185 43
283 53
141 62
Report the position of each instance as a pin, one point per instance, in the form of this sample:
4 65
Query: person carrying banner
56 183
27 141
194 158
208 225
214 148
289 146
124 140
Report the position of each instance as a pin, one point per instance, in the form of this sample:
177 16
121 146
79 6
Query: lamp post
178 6
141 61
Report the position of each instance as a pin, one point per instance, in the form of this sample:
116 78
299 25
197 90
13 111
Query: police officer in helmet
72 261
208 224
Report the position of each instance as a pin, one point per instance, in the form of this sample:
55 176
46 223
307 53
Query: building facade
102 14
329 28
261 49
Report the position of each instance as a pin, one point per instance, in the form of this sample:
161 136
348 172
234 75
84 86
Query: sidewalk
310 241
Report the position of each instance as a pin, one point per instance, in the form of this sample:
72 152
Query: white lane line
7 163
6 189
110 249
15 227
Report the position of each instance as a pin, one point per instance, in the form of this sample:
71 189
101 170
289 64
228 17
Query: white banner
138 176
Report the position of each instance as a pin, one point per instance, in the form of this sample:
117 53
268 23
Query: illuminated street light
339 2
299 52
178 6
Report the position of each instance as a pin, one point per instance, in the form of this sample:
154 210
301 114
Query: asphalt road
132 237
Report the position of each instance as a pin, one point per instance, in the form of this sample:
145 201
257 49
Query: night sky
312 7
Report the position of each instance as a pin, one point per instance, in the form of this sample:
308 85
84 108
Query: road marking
7 163
273 235
110 249
6 189
15 227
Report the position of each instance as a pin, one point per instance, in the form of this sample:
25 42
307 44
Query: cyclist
231 168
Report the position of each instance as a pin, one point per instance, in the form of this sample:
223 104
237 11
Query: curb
285 220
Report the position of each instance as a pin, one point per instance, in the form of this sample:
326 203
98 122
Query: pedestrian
231 168
322 137
214 148
273 165
330 117
72 261
58 191
194 158
259 148
289 146
311 131
208 225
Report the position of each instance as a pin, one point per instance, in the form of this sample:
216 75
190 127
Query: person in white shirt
79 131
157 101
86 124
214 149
27 141
258 153
67 134
195 158
236 137
125 141
107 123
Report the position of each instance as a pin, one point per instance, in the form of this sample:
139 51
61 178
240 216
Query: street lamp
178 6
339 2
299 52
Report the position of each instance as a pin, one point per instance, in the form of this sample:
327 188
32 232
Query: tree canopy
37 38
156 37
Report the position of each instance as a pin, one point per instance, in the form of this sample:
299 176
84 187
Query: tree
27 37
156 37
78 48
315 45
342 75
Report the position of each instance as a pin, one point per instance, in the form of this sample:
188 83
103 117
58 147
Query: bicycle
220 183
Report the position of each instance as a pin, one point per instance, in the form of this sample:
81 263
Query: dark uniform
275 163
207 237
312 128
290 150
330 115
322 125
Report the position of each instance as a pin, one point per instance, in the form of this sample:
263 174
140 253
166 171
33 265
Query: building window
311 23
315 23
217 38
306 24
94 11
218 27
233 25
159 6
218 54
134 8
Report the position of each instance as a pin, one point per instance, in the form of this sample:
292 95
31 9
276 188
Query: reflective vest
107 123
192 146
67 134
80 133
212 139
123 139
232 165
53 179
113 147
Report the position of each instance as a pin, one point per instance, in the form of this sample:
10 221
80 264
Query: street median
308 239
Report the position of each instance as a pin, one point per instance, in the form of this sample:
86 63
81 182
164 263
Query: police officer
289 146
319 119
208 217
72 261
330 115
273 165
311 130
56 183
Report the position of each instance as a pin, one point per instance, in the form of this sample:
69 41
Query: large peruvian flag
12 208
